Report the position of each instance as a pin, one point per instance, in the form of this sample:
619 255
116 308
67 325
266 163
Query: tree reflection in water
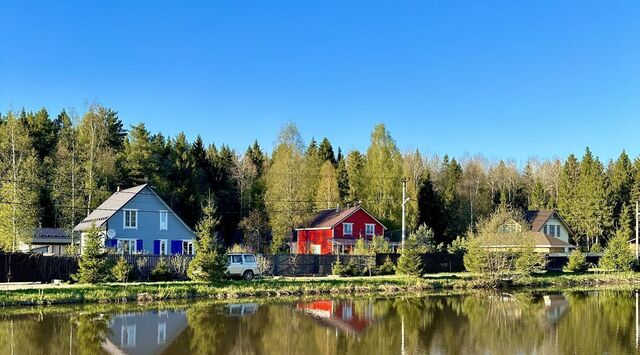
561 323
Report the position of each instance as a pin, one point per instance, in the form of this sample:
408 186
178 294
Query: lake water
602 322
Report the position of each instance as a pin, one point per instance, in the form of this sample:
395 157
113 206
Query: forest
56 168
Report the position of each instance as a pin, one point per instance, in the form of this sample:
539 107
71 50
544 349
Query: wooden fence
21 267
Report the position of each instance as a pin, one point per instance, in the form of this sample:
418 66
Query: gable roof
109 207
329 218
537 219
51 233
543 240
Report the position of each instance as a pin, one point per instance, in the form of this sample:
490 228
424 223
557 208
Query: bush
618 255
528 261
122 270
596 248
161 272
264 265
577 262
387 268
338 268
458 246
92 267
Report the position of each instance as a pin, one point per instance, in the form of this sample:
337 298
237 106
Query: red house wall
359 219
314 236
306 237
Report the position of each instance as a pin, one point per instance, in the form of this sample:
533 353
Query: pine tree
209 263
620 174
325 151
593 209
138 156
431 210
343 179
618 255
568 193
355 174
92 262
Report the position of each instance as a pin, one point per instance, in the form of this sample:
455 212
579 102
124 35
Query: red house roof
327 219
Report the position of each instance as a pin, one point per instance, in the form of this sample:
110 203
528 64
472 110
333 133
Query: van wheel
248 275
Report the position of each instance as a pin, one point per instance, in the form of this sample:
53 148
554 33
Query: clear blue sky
506 78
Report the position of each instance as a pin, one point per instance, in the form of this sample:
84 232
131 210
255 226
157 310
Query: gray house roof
109 207
51 236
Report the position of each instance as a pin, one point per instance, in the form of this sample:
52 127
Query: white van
243 265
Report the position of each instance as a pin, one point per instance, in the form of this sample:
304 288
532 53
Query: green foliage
338 268
92 268
209 263
577 262
458 246
161 272
410 263
387 268
122 270
618 255
596 248
528 261
328 192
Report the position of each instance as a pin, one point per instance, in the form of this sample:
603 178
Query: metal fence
22 267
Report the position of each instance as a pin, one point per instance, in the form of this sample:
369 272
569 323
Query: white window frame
552 230
128 335
344 229
164 242
316 249
133 243
164 213
373 229
124 218
189 242
162 333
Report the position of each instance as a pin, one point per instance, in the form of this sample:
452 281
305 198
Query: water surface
602 322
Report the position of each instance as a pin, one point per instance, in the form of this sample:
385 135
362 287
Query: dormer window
510 227
130 219
347 229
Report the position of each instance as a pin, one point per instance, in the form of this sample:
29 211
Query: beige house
551 233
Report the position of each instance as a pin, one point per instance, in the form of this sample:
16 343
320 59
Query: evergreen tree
325 150
383 173
92 263
567 194
620 184
618 255
594 211
431 210
355 175
449 180
343 179
209 263
414 169
410 261
254 152
138 155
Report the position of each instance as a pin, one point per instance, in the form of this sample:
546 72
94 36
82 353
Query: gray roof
109 207
51 233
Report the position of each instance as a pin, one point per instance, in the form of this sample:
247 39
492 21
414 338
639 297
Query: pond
598 322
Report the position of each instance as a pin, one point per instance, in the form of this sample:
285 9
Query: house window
545 229
347 228
130 219
347 312
315 249
127 246
187 247
369 229
164 220
162 332
552 230
558 231
128 336
163 247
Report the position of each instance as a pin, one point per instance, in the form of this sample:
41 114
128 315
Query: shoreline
121 293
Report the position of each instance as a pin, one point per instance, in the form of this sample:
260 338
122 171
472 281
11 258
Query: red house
336 231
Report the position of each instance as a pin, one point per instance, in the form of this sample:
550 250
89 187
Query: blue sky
508 79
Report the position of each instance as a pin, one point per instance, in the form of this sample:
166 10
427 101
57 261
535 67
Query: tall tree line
56 169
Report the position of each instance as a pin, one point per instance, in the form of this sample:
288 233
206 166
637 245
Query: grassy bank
331 286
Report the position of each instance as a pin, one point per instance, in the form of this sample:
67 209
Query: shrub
92 267
122 270
338 268
264 264
410 262
458 246
577 262
618 255
387 268
528 261
596 248
161 272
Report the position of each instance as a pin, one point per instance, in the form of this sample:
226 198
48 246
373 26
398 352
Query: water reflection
560 323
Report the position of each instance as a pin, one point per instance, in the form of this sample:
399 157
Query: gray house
137 220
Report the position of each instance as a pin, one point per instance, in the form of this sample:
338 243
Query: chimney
118 188
337 207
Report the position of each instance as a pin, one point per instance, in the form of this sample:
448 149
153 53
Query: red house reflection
341 315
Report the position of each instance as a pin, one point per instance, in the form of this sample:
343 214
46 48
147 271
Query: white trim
351 229
166 247
130 240
313 228
166 214
124 217
365 229
193 246
365 211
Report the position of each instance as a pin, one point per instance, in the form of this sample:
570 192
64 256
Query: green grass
301 286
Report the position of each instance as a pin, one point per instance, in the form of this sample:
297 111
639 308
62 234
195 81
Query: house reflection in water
342 315
555 306
144 333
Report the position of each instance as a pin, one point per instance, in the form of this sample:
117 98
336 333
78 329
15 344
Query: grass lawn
299 286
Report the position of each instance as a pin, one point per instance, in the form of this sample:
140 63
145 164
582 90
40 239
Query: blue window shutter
139 245
176 247
112 243
156 247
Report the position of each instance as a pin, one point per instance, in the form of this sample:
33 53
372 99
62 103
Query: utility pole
637 249
405 199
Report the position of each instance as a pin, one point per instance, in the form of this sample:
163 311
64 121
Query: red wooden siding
359 219
317 236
